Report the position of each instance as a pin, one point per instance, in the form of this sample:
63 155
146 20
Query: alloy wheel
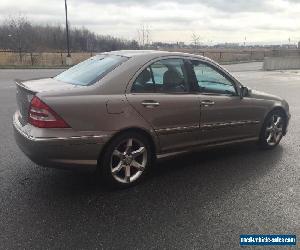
128 160
274 130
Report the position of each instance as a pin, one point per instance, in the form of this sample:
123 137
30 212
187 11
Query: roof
132 53
149 53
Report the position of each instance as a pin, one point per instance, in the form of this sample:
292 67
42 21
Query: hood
263 95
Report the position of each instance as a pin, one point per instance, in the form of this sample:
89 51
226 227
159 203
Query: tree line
19 34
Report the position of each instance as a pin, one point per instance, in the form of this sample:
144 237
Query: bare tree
18 34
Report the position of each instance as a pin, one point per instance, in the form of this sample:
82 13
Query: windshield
90 70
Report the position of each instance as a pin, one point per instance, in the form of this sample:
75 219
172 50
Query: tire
126 160
272 130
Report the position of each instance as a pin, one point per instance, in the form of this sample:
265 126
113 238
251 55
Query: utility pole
195 40
144 35
147 35
67 31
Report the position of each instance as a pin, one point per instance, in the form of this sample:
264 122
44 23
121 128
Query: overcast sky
215 21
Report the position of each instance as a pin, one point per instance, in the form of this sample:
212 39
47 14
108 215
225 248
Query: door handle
207 103
150 103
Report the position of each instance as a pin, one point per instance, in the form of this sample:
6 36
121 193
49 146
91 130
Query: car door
161 94
224 115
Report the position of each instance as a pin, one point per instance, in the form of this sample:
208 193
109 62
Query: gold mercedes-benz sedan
120 110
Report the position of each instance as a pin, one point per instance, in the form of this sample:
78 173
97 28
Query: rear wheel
126 160
272 130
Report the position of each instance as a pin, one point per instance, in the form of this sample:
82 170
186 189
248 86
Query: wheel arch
154 145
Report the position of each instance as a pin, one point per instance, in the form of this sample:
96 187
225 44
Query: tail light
42 116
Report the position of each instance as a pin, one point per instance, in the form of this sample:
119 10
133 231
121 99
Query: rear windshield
90 70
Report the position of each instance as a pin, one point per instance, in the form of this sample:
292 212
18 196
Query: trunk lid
26 90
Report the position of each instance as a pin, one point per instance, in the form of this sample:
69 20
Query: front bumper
61 151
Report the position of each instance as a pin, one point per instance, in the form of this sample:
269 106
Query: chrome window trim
150 62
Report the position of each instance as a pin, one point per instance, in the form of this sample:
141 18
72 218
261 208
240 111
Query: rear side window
168 75
90 70
144 82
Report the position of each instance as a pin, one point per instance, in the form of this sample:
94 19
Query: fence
54 59
58 59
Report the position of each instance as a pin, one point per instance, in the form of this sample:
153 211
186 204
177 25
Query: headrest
172 77
144 77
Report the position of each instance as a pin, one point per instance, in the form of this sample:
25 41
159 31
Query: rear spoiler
20 84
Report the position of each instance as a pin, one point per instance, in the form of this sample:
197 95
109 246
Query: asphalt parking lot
203 200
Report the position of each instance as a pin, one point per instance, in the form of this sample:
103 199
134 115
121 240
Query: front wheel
272 130
126 160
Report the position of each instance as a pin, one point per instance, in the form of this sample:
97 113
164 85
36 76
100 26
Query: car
119 111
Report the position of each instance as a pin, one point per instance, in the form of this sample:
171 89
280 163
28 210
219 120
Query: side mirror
244 91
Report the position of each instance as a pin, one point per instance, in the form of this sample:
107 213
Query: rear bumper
63 152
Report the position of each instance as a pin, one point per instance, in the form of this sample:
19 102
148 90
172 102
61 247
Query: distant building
227 45
289 46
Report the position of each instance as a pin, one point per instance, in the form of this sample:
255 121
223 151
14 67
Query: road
203 200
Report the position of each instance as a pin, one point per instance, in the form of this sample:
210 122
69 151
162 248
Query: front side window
211 81
90 70
166 75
